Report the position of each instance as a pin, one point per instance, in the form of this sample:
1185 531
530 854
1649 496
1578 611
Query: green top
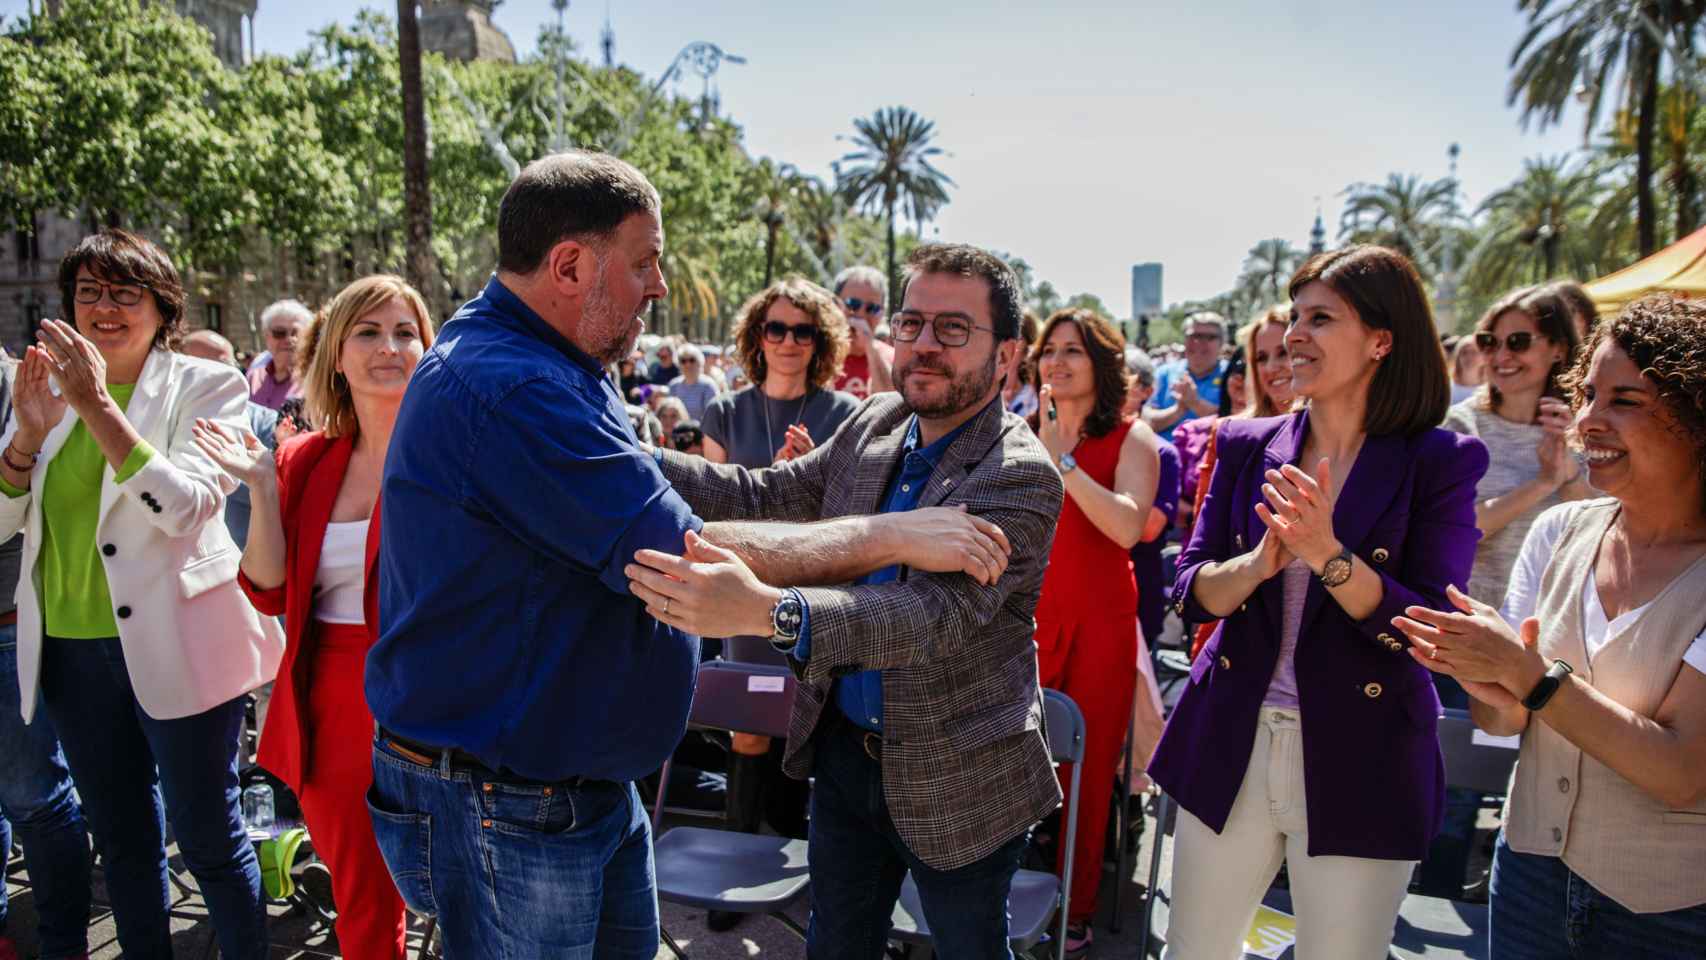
75 602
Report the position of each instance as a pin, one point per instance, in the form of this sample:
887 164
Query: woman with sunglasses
790 339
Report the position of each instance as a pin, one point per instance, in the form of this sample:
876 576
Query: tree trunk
1646 227
894 280
417 196
772 225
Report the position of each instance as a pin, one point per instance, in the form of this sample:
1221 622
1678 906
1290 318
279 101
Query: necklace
769 437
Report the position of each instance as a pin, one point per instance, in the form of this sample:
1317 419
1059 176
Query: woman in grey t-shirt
1519 413
792 338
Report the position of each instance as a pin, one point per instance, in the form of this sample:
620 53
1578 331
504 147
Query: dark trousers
123 760
859 860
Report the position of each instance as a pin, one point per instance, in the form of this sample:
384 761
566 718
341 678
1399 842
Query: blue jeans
124 761
36 799
513 871
1543 911
859 861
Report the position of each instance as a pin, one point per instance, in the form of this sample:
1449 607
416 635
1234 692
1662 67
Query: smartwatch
1068 463
785 621
1548 685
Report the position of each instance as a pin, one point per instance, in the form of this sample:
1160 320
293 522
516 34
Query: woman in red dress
313 538
1087 617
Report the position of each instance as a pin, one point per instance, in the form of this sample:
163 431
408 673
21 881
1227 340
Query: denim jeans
123 761
1543 911
517 872
859 861
36 799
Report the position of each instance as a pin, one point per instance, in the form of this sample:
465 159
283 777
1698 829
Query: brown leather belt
8 618
427 755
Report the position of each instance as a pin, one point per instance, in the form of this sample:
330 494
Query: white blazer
191 639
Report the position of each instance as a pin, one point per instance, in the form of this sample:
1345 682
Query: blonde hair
1256 401
329 405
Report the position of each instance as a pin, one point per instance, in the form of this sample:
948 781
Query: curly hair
819 304
1666 337
1102 341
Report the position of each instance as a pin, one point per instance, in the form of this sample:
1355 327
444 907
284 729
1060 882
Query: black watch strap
1548 685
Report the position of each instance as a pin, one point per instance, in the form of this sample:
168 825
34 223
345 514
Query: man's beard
964 391
609 336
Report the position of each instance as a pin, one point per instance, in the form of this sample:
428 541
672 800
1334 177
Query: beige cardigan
1617 837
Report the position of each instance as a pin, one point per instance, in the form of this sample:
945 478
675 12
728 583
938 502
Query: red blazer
311 468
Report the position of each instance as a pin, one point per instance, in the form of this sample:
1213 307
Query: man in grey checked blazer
950 771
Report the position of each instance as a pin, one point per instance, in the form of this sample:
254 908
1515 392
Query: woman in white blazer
132 631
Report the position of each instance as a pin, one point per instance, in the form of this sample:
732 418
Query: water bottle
258 808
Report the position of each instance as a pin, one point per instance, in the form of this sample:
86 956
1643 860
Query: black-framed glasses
1517 342
804 334
123 294
868 307
951 328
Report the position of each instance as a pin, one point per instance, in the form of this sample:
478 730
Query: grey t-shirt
695 395
737 421
1514 461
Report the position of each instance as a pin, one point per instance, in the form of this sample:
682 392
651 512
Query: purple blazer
1372 772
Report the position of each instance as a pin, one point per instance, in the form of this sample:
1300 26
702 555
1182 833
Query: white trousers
1346 906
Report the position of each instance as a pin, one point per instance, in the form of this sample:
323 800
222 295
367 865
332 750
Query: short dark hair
569 195
119 256
1006 303
1105 346
1411 391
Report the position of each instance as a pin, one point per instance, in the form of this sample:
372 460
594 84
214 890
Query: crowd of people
928 503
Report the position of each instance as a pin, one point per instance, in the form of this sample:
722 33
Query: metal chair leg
669 942
1123 820
1162 809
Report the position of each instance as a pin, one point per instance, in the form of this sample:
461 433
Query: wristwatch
1548 685
1068 463
785 621
1337 570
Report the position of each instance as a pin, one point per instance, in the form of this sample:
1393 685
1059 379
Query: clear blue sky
1088 135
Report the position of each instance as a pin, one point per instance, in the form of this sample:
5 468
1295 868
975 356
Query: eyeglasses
867 307
282 333
805 334
689 362
1518 342
1203 337
951 329
123 294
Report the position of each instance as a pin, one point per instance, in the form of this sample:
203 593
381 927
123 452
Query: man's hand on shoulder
949 540
707 591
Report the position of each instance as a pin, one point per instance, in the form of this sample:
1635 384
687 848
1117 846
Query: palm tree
779 188
1406 213
1540 224
1574 48
891 168
1268 268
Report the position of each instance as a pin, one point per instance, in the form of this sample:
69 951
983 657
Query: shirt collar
506 303
933 452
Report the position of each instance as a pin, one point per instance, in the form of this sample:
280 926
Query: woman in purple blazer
1307 733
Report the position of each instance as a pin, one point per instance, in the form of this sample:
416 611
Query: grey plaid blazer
965 765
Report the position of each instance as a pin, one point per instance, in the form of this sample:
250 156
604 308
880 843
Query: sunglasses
1518 342
805 334
866 307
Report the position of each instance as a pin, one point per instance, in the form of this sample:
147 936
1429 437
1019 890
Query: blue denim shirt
514 494
860 695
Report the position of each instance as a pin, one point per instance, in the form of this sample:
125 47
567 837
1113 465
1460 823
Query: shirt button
1557 835
123 613
875 720
109 549
906 488
1563 784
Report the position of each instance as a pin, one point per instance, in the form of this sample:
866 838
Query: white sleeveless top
341 579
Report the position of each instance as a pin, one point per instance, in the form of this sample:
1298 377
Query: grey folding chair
721 869
1036 897
1122 815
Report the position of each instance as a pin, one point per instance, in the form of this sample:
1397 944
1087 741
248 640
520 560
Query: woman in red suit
1087 617
313 538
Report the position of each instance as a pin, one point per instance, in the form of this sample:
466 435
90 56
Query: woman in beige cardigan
1598 659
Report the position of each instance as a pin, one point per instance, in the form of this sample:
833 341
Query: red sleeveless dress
1087 649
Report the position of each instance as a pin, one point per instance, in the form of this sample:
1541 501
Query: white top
1531 563
341 579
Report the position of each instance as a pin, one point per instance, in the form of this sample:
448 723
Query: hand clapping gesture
1557 464
1477 647
239 453
33 403
1299 512
76 364
798 444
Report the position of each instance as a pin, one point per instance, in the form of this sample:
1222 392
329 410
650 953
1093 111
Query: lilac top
268 392
1282 689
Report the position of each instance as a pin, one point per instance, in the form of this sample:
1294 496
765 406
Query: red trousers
371 918
1093 661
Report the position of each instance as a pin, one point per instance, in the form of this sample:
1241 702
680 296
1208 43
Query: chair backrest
1484 768
743 697
753 650
1064 723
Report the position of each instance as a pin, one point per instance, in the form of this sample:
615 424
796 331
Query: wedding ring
666 606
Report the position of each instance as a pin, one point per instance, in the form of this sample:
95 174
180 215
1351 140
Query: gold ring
666 606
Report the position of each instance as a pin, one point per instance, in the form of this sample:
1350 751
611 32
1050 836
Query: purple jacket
1372 775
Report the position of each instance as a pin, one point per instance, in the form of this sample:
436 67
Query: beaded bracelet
6 455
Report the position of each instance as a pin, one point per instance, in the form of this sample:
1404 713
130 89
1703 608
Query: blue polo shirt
514 494
1208 389
860 695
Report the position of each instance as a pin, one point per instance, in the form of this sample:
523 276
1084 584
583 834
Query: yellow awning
1678 268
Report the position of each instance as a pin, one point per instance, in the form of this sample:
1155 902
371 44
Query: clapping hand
76 363
1557 464
1299 512
34 404
238 452
798 444
1495 664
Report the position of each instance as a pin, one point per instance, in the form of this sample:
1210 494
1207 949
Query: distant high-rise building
1145 298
